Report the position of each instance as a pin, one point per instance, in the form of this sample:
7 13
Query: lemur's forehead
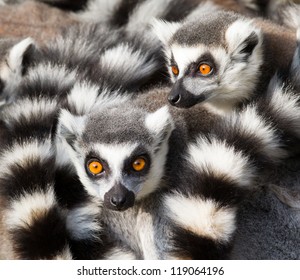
115 153
208 30
117 125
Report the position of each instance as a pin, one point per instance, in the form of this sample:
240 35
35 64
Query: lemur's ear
19 54
242 38
160 124
164 30
70 127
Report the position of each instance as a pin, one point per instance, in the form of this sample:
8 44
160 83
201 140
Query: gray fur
116 125
268 223
208 31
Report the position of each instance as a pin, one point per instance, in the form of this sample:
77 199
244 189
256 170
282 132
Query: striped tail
222 167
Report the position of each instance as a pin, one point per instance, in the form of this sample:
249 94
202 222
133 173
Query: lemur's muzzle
182 98
119 198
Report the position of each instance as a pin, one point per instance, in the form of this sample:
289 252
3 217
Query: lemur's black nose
174 98
117 200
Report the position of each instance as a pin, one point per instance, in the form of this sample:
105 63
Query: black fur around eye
95 167
2 85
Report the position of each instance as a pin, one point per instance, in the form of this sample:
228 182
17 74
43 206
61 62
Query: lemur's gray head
119 153
14 54
214 58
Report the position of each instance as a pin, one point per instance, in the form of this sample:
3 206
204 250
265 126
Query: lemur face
119 153
214 59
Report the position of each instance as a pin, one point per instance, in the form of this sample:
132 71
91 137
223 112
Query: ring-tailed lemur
62 74
117 149
79 219
223 58
16 127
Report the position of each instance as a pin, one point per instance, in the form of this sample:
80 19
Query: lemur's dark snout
119 198
182 98
174 98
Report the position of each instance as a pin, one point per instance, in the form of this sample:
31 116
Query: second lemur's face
213 59
120 153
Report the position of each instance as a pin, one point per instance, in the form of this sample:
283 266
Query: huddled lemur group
143 131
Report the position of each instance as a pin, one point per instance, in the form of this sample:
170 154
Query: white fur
291 16
238 31
217 157
146 234
57 73
251 122
19 154
28 109
159 120
70 123
164 30
98 10
15 57
144 13
251 4
203 217
119 254
83 97
184 55
286 105
65 254
129 63
83 223
11 69
29 207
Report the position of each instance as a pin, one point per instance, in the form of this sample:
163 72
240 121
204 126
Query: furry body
60 75
156 226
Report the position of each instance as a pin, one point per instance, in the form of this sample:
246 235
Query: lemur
61 74
29 123
125 17
115 154
38 85
178 185
223 58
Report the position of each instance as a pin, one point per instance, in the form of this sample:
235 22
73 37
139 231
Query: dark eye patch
207 58
137 153
2 85
91 156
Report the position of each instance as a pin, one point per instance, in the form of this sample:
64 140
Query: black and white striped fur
63 74
138 13
63 4
191 213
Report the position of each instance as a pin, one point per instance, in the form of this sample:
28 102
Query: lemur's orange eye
205 69
95 167
175 70
139 164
